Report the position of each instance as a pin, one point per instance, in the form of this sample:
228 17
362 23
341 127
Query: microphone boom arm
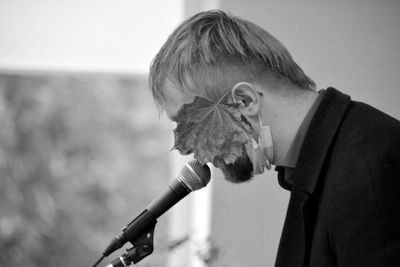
139 232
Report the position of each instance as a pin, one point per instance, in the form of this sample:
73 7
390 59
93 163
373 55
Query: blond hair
213 46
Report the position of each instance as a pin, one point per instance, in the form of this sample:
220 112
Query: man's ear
248 96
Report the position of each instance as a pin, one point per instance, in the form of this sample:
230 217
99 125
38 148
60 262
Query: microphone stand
142 247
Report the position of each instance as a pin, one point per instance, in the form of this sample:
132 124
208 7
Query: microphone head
195 175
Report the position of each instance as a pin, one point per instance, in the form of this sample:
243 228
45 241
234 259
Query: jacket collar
323 127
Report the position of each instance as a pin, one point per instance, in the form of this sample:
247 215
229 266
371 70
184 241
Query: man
242 103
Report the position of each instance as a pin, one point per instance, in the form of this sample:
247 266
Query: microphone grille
195 175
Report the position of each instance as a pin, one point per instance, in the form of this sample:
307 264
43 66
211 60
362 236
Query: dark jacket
344 208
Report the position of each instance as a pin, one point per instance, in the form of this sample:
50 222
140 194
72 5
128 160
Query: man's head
211 52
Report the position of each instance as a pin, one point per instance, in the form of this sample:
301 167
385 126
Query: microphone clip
142 247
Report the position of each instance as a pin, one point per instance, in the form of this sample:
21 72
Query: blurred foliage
80 156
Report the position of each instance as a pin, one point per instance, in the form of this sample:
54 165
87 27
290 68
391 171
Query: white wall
88 35
352 45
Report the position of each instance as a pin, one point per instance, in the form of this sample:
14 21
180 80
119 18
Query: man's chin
238 172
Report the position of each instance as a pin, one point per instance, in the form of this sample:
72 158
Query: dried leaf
211 130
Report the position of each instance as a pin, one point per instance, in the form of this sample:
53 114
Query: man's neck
285 117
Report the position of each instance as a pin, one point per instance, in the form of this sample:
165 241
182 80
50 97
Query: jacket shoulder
370 130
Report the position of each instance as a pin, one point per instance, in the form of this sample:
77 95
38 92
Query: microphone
193 176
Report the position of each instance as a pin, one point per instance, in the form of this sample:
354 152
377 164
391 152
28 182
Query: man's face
238 172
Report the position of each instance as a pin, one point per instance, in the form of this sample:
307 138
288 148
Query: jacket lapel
297 231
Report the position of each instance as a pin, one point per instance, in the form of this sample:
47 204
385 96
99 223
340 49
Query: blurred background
83 149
